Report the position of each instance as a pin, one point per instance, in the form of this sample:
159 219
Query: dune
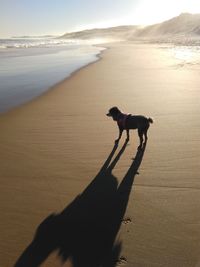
70 197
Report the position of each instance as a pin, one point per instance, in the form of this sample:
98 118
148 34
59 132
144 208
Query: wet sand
141 211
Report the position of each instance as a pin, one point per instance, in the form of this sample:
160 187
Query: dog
128 122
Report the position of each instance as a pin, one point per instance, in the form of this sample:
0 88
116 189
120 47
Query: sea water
30 66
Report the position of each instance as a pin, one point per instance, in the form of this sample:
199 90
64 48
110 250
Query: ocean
31 66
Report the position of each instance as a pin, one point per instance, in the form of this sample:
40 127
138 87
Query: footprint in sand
126 220
122 260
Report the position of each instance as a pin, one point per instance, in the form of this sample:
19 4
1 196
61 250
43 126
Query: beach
61 205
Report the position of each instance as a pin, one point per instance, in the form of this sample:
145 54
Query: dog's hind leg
140 134
145 133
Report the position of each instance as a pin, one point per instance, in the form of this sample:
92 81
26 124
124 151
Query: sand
55 152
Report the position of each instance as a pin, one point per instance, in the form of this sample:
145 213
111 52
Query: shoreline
34 96
54 149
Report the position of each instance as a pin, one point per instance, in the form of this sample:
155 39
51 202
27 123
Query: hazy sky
38 17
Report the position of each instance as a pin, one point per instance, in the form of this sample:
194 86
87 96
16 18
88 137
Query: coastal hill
184 25
120 32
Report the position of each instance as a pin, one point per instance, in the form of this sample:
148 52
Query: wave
33 42
45 42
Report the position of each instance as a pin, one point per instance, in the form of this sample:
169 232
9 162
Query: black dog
128 121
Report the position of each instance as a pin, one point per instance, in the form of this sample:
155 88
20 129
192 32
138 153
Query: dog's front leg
120 135
127 138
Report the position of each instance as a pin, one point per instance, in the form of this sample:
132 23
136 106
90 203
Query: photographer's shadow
85 231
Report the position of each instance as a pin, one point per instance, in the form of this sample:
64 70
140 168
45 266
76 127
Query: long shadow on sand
85 231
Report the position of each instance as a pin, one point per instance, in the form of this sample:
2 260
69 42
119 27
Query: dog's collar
121 120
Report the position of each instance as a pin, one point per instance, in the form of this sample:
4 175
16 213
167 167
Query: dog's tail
150 120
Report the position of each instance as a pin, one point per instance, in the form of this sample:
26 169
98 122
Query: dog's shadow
85 231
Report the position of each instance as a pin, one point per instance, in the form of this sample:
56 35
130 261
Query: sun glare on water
184 53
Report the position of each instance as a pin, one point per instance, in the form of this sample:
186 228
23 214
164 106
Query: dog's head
114 113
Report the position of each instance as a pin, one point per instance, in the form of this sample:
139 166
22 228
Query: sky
56 17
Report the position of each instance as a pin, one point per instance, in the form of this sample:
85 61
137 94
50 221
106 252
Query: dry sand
53 150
